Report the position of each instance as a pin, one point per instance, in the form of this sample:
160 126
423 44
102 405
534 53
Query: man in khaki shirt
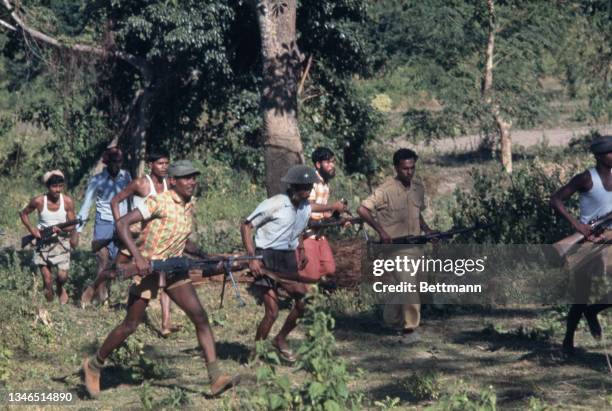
398 204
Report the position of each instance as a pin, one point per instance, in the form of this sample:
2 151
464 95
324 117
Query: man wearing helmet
278 223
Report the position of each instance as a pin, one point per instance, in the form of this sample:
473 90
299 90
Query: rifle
334 222
174 266
47 233
569 243
422 239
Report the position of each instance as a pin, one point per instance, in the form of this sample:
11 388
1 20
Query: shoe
410 338
285 354
593 323
223 383
91 378
87 296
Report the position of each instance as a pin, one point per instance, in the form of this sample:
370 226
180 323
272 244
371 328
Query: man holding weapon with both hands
167 224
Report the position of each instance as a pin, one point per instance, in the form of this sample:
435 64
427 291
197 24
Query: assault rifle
47 233
422 239
569 243
334 222
174 266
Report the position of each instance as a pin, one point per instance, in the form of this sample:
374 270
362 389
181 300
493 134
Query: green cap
182 168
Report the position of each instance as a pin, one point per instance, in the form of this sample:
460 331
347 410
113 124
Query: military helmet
301 174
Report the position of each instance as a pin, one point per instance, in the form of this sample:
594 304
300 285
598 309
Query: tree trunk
281 68
503 126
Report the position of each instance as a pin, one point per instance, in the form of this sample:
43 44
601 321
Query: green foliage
177 399
326 384
462 399
131 355
387 404
518 205
5 364
423 385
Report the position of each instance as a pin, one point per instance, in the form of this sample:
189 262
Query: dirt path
525 138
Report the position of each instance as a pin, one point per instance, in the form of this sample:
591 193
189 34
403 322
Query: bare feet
87 296
167 331
63 296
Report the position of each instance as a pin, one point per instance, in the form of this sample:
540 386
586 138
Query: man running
594 188
102 188
53 208
278 223
167 224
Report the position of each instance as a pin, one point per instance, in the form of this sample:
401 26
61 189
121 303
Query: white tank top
48 218
152 192
597 201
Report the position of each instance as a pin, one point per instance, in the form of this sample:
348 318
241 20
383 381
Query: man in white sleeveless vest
53 208
594 187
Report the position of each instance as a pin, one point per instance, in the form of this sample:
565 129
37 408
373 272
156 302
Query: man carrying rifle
398 204
167 224
102 188
140 189
594 188
53 208
279 223
320 257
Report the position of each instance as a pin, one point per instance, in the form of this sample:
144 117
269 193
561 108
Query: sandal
285 354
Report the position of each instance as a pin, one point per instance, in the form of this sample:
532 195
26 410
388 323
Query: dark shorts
280 261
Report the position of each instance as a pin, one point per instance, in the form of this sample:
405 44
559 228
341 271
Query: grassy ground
467 349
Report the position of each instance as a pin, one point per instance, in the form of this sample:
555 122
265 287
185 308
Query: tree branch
78 48
304 76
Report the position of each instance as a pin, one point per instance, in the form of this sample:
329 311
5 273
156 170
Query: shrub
464 400
424 385
517 204
325 386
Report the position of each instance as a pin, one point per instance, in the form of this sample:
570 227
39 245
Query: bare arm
368 218
424 227
321 208
193 249
246 231
123 231
580 183
135 187
70 215
24 215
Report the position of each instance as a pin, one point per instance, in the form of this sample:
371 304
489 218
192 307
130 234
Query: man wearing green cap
167 224
278 223
594 187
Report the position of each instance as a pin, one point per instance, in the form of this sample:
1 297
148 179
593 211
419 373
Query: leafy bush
464 400
5 359
424 385
326 384
517 204
131 355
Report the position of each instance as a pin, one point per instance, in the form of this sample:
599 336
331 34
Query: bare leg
62 276
187 300
166 325
297 312
48 281
270 301
135 315
103 258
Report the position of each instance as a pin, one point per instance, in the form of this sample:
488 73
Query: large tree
282 66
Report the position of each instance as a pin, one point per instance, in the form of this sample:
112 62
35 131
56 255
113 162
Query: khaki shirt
398 208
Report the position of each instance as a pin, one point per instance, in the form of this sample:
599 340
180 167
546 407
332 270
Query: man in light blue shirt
103 187
279 223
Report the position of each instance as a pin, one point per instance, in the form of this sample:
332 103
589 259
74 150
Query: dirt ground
512 350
